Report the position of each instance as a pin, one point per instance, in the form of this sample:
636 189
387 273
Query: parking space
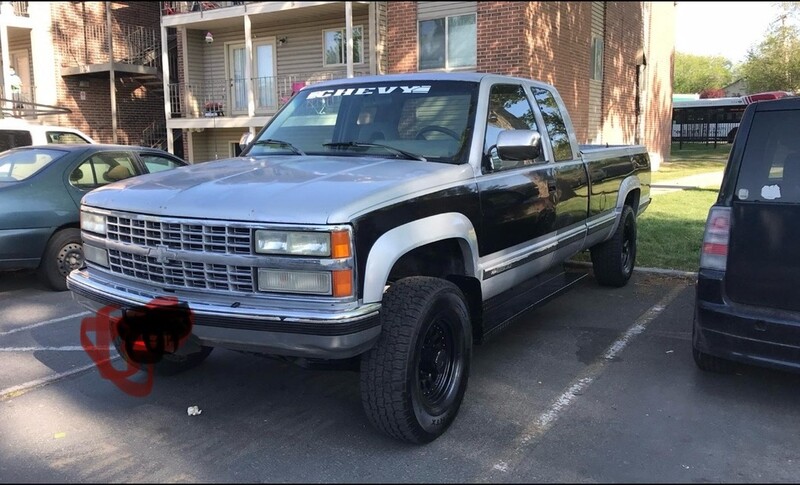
597 385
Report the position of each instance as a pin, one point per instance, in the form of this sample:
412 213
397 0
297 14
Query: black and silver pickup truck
390 221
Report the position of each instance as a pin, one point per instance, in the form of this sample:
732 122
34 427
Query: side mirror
519 145
245 140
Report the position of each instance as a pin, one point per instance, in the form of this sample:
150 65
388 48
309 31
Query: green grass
670 232
692 159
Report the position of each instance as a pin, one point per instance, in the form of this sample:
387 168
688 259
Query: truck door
572 182
517 204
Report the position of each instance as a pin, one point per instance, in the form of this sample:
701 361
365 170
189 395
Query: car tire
64 252
414 379
710 363
170 364
614 259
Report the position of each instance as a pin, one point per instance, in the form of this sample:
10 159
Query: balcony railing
170 8
20 9
229 97
132 45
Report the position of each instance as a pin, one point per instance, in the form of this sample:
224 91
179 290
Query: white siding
435 10
214 143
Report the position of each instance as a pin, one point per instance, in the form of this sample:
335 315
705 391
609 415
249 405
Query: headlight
313 282
93 222
95 255
304 243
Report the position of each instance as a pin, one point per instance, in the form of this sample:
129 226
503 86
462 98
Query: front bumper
742 333
324 335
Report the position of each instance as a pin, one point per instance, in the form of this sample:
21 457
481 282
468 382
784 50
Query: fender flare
393 244
630 183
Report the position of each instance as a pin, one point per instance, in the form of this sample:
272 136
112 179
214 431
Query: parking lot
596 386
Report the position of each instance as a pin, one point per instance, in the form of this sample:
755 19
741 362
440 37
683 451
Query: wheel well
69 225
443 259
632 199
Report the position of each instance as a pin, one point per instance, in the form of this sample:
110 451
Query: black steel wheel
614 259
64 253
414 379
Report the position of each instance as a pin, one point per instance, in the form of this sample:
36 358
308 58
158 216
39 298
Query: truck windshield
424 121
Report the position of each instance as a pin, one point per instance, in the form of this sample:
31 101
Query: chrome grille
174 235
186 274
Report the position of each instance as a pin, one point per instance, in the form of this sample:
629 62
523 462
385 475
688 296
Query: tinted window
770 168
21 164
509 109
556 128
65 137
158 163
14 138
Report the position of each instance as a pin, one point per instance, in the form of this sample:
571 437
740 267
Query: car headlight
95 255
313 282
93 222
300 243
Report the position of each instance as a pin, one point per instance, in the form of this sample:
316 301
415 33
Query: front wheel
64 253
414 379
613 260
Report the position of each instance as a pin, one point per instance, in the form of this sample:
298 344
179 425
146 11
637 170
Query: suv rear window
770 168
14 138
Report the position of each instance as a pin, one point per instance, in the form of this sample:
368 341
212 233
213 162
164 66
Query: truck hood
280 189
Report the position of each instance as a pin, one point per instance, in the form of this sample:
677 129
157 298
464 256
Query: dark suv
747 306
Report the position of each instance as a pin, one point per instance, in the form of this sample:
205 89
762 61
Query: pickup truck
391 221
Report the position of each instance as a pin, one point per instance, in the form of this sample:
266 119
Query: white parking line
545 421
46 322
15 391
68 348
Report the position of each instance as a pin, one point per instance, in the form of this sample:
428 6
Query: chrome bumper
323 335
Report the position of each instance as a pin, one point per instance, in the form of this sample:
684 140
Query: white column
112 76
167 93
44 69
6 58
248 66
373 39
348 27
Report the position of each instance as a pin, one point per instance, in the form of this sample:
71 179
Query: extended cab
391 220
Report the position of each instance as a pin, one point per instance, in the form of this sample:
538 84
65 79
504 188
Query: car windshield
424 121
16 165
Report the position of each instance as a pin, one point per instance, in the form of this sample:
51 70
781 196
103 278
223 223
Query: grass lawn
692 159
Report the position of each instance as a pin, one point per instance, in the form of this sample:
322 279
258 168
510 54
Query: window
448 43
596 66
556 128
158 163
14 138
65 137
101 169
336 49
509 109
21 164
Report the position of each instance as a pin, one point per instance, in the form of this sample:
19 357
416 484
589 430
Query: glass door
265 84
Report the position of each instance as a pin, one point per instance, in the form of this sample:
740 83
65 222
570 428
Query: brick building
62 52
238 61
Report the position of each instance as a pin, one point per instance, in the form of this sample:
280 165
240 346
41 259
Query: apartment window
596 67
448 43
336 49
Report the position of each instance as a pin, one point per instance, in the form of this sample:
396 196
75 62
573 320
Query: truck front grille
185 274
191 238
176 235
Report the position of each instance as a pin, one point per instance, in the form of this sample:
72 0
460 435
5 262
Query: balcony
171 8
20 9
229 97
136 50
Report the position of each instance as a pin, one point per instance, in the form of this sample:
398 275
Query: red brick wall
401 42
137 107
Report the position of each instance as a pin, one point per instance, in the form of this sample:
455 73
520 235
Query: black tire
64 252
710 363
613 260
414 379
171 364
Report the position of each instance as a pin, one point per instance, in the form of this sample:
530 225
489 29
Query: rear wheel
613 260
414 379
64 253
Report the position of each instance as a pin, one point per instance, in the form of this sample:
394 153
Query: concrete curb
661 271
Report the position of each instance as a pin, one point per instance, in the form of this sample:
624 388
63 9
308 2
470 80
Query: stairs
155 135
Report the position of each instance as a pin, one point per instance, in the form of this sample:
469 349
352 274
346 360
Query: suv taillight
714 253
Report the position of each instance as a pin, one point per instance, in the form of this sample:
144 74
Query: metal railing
20 9
23 103
89 45
170 8
229 97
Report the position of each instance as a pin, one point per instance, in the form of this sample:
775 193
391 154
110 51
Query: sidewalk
703 180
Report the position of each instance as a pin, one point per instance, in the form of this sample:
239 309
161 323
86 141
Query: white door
264 83
21 63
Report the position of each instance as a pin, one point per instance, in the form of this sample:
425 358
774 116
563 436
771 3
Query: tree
774 64
695 73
